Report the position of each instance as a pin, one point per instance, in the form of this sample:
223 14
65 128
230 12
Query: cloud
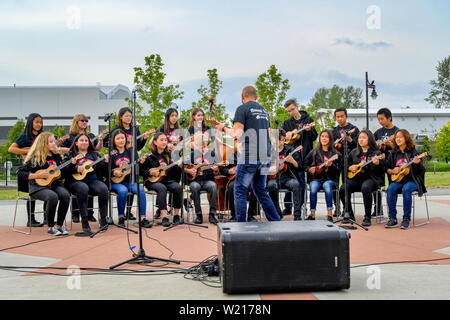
362 45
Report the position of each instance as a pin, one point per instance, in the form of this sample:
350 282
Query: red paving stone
374 246
441 201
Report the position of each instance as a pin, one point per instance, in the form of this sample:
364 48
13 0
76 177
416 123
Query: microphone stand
347 218
141 257
183 184
109 219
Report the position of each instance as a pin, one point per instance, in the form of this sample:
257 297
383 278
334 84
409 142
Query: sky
314 44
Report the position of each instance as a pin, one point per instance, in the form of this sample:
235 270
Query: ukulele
382 143
125 170
363 164
339 142
162 169
405 169
296 134
283 165
151 131
62 139
209 166
106 131
54 172
88 166
321 167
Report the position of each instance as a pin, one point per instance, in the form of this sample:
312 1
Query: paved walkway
405 280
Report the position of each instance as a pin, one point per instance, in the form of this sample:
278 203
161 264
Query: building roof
403 112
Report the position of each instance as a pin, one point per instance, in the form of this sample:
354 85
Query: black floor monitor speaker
285 256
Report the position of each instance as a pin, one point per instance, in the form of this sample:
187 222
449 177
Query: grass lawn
433 181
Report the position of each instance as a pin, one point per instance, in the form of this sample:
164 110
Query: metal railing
8 171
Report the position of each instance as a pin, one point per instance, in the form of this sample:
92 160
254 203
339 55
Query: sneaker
199 219
157 214
251 218
310 217
145 223
297 218
92 219
165 222
121 222
176 219
330 219
63 231
392 223
131 216
85 226
212 219
54 232
103 223
287 212
34 223
76 219
405 224
366 222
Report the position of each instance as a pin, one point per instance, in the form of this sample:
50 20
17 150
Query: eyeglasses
84 121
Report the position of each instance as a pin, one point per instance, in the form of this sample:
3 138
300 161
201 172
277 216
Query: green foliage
337 97
442 144
272 90
152 90
59 131
441 166
440 91
13 134
212 91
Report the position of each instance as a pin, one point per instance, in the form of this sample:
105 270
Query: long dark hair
153 147
119 116
29 125
167 120
372 142
330 144
113 137
74 148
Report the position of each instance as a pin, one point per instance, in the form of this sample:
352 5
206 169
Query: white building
58 105
419 122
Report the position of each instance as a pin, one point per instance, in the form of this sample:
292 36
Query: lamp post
374 95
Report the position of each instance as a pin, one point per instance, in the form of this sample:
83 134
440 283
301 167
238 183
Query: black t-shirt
68 142
89 157
120 160
289 173
256 140
384 134
23 141
399 159
338 132
208 158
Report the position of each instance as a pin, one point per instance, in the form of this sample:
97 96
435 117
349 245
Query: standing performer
299 119
342 128
369 179
198 125
323 165
171 129
252 124
87 182
21 147
149 168
42 155
384 137
408 181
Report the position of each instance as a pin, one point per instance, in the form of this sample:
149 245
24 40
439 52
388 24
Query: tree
442 144
212 91
59 131
272 90
13 134
337 97
440 91
152 90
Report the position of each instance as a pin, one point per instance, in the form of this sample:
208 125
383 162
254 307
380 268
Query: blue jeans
250 174
314 187
122 193
406 188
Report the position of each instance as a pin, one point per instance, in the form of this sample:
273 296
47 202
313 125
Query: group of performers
56 168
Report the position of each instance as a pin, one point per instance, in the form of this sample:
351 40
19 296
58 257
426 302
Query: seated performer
369 179
89 183
408 181
323 165
41 156
149 168
119 162
203 179
285 176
